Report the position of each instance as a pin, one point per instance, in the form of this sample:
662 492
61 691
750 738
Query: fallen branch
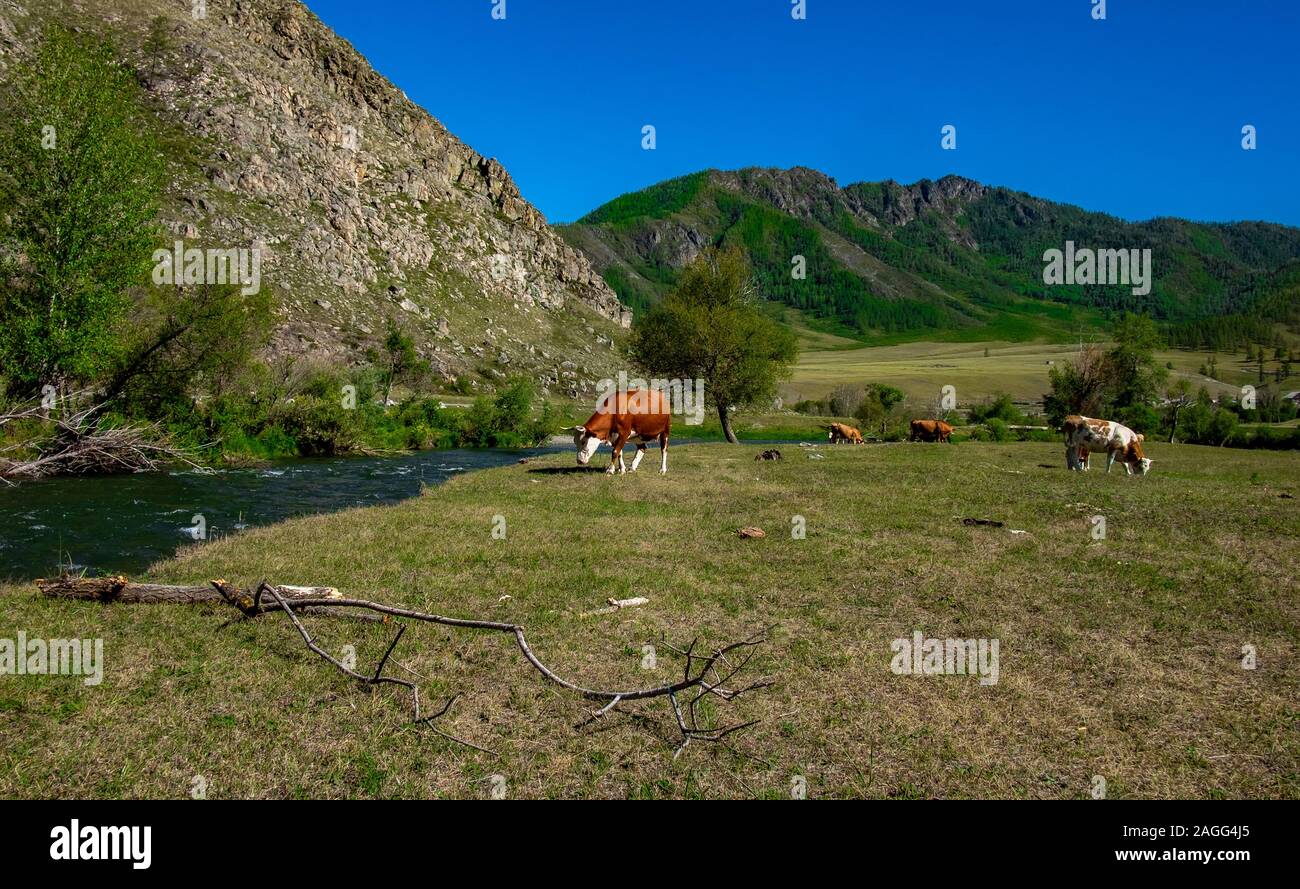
119 589
74 443
704 675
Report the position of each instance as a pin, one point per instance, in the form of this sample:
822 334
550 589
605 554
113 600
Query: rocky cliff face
365 207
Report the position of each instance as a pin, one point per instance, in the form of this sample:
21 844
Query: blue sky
1139 115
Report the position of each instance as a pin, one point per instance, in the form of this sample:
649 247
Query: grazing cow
1084 435
842 432
623 415
930 430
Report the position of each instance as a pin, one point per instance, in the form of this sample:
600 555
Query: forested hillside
953 259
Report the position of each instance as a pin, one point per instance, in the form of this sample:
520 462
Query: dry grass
1119 658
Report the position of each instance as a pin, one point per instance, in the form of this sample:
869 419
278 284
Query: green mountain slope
952 259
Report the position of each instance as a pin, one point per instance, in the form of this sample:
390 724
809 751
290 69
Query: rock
316 153
752 532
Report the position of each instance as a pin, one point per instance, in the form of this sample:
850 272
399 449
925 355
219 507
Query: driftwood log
708 674
119 589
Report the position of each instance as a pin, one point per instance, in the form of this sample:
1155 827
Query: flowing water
123 523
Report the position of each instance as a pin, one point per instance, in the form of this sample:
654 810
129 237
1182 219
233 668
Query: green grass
921 369
1119 657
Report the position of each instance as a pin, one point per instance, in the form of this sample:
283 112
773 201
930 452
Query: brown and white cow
1084 436
623 415
930 430
843 432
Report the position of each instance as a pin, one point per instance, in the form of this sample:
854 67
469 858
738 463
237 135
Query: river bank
1119 656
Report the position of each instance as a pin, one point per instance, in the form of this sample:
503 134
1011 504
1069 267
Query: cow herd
644 415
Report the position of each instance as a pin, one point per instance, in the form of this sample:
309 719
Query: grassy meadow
920 369
1119 657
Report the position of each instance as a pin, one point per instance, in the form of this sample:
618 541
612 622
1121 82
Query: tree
846 400
879 401
1122 381
80 177
1180 396
201 336
1134 375
1078 385
399 360
710 328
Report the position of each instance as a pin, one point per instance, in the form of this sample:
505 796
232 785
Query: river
122 523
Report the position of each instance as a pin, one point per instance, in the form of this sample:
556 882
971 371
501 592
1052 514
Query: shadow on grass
566 470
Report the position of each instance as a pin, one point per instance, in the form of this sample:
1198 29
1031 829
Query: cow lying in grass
930 430
642 414
1084 436
843 432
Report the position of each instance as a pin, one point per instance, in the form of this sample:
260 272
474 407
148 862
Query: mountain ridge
951 256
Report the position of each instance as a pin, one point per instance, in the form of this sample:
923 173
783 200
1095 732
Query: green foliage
1213 285
503 420
999 407
994 429
185 341
630 293
1120 383
710 329
321 427
656 201
399 362
80 177
772 238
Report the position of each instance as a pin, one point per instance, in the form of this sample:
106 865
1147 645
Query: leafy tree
184 340
711 328
1134 375
1122 381
878 404
80 177
999 407
399 361
1078 385
502 420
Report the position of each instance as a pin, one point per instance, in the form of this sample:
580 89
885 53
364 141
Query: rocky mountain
946 258
280 136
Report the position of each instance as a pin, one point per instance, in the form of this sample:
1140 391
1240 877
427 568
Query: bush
321 427
999 407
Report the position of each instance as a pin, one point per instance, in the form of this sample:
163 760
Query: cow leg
1110 461
663 454
640 452
616 460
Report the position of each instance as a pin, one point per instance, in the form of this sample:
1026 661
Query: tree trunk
725 419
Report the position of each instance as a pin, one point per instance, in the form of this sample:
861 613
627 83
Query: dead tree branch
74 442
703 674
